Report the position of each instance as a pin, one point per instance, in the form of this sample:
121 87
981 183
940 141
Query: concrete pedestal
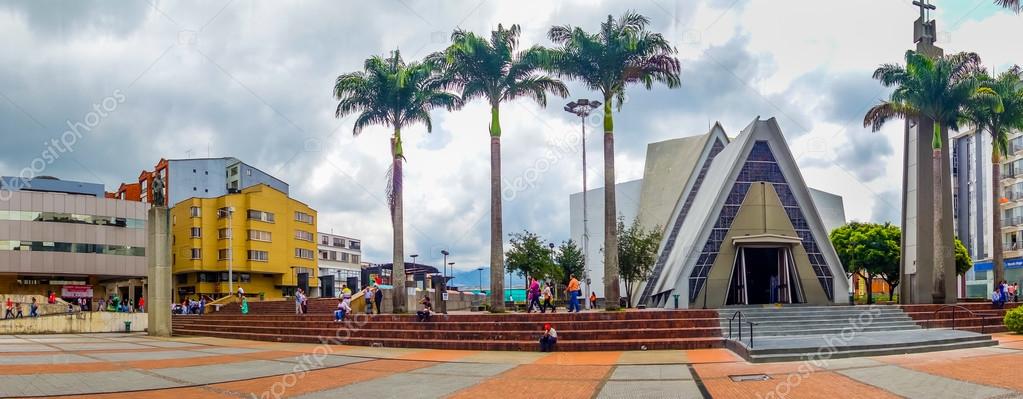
158 258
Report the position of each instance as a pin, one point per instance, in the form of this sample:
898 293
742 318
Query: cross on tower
924 29
925 8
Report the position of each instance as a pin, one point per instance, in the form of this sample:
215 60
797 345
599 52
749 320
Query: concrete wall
68 263
627 201
78 323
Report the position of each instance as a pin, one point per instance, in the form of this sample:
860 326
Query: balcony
1011 246
1012 221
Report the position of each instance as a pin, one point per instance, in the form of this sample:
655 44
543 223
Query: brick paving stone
46 359
146 355
100 346
406 385
915 384
653 357
816 385
464 369
214 373
988 370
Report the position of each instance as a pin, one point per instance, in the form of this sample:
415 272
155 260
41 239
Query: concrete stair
983 319
591 331
797 332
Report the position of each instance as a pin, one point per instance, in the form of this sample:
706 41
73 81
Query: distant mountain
470 279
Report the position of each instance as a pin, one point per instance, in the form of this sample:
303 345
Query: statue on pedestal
158 187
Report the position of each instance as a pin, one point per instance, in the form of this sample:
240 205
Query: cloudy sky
252 80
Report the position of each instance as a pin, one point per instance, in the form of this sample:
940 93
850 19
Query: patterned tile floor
137 366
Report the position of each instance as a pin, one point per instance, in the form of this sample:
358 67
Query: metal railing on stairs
983 317
738 313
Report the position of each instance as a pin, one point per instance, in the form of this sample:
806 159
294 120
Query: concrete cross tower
921 282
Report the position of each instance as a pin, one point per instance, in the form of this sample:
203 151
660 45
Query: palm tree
393 93
1013 5
937 89
494 71
623 52
998 118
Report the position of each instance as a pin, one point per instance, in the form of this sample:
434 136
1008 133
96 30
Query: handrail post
740 326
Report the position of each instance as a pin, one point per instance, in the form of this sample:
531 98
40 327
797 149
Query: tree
998 118
494 71
393 93
622 53
570 261
637 252
1013 5
963 260
937 89
530 255
870 250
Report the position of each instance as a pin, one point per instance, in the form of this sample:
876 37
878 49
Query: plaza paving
137 366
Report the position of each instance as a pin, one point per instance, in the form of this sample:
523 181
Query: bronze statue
158 197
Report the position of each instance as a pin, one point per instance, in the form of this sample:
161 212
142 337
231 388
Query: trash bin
127 326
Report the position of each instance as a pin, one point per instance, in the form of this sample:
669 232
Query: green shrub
1014 319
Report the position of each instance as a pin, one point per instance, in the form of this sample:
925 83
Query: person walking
245 305
593 300
534 295
548 299
9 306
378 297
573 294
367 296
17 311
298 301
33 309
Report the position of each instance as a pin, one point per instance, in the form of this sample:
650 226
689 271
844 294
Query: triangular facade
723 248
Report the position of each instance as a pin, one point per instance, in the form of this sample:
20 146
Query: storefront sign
76 291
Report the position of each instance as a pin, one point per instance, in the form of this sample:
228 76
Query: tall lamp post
443 283
582 108
480 269
551 246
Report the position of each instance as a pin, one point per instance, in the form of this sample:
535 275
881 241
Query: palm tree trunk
611 278
496 234
997 257
940 246
397 213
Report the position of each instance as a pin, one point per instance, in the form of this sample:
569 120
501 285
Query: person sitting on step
548 339
424 315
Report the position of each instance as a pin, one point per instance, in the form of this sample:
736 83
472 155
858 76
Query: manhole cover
749 377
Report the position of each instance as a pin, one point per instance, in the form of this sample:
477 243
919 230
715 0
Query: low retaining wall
77 323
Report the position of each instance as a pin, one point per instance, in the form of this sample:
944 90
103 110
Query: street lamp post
480 269
443 283
582 108
551 246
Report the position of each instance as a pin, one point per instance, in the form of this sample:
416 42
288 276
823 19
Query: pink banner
76 291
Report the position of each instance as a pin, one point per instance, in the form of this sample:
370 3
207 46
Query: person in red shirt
9 314
142 304
53 298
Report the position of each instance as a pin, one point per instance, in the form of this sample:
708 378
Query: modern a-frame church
740 226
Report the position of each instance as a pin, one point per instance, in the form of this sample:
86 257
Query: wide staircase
979 317
590 331
798 332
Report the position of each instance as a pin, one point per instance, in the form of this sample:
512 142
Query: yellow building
271 236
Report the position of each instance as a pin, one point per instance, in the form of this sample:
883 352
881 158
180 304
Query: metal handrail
738 313
983 317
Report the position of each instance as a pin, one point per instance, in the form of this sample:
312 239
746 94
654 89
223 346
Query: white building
742 199
340 264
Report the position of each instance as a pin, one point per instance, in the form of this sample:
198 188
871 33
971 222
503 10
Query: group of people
535 294
14 310
372 294
191 306
114 303
1004 292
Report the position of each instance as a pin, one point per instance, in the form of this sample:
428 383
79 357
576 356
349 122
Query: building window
259 235
303 235
194 211
196 253
323 255
303 217
224 233
333 255
355 258
181 278
355 245
303 253
339 242
196 232
261 216
344 256
261 256
324 240
224 254
223 212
